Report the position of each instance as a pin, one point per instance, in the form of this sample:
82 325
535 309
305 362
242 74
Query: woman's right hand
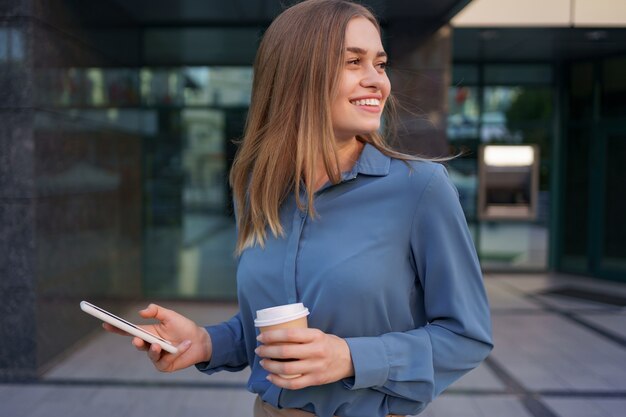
193 342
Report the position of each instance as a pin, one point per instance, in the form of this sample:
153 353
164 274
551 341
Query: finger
154 311
297 367
154 353
291 383
285 351
140 344
295 335
113 329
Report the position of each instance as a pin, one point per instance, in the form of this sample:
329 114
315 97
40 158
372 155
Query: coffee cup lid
280 314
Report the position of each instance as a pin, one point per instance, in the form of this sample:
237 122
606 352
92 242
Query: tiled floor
554 357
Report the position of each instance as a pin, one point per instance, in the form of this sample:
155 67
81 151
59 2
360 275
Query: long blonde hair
296 73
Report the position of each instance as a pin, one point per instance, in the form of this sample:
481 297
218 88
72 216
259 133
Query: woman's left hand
321 358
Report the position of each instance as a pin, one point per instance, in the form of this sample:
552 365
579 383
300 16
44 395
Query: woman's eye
354 61
382 65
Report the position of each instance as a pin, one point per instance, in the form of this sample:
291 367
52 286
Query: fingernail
269 378
256 351
259 337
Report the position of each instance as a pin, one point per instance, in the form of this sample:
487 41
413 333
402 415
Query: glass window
4 44
218 86
581 91
209 45
17 45
520 113
518 74
197 86
614 253
73 89
517 115
576 197
463 173
613 87
121 87
463 113
513 245
161 87
464 74
204 160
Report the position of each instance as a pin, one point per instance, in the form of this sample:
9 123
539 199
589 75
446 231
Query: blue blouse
390 266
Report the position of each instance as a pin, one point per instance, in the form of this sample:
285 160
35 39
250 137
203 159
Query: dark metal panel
186 12
536 44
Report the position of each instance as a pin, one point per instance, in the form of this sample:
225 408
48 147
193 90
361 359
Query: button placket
293 246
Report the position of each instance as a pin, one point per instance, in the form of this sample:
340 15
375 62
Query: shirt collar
372 162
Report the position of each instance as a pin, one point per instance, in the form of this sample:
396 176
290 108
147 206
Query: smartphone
127 326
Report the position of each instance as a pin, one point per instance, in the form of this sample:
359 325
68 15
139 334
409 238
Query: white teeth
366 102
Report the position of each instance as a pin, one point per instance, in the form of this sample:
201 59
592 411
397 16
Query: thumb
154 311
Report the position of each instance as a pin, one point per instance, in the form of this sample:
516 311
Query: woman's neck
348 153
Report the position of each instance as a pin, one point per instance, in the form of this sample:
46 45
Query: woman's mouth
371 105
366 102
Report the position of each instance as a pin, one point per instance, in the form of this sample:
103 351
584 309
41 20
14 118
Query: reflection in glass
463 113
11 44
230 87
510 111
161 87
204 161
4 44
183 119
513 245
463 174
197 86
17 45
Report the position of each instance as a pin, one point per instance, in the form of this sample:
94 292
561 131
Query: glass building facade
503 104
184 120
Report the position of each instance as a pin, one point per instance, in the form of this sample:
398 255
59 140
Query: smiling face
363 84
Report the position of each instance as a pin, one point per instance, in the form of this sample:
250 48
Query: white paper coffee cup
282 317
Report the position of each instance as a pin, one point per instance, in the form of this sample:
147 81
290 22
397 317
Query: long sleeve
418 364
229 349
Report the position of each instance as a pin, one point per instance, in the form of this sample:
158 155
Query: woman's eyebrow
362 51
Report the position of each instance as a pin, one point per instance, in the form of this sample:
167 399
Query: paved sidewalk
555 356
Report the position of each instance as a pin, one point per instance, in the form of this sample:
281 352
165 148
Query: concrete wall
421 68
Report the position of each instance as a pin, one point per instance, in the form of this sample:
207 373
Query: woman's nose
372 78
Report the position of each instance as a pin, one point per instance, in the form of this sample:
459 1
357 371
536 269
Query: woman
372 241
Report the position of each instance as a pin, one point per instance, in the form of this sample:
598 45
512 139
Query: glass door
612 206
593 200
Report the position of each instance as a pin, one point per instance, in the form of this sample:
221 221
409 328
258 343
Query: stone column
70 184
17 202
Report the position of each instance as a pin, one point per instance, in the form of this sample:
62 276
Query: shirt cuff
370 361
221 348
